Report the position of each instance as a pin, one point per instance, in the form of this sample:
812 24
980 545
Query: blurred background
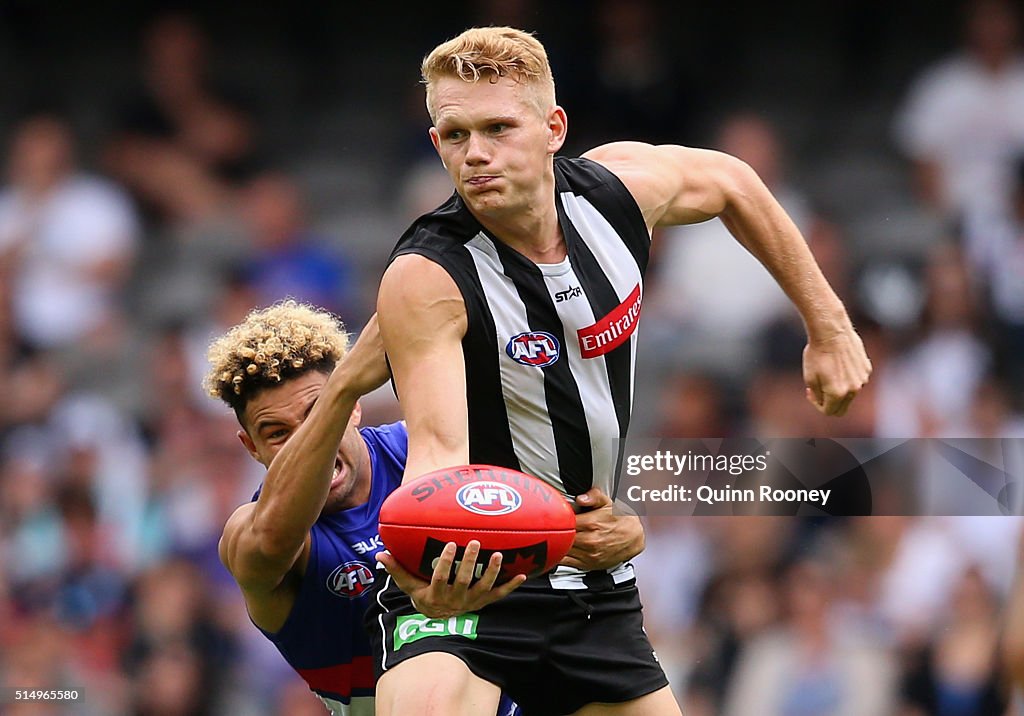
168 168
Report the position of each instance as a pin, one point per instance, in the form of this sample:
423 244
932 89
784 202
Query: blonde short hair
271 345
492 52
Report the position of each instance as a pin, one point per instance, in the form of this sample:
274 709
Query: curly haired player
302 551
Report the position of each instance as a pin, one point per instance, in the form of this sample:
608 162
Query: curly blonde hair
270 345
493 52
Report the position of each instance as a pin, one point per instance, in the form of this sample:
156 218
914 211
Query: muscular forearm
298 479
762 226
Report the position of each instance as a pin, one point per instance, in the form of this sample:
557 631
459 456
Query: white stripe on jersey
591 375
612 256
533 438
569 578
380 620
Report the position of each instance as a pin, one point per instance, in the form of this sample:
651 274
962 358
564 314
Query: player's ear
435 139
558 125
357 415
250 446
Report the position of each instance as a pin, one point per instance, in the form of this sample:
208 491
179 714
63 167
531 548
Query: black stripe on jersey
603 299
601 294
491 442
599 580
561 393
616 203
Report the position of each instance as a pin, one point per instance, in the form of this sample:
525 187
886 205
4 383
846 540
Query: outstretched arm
680 185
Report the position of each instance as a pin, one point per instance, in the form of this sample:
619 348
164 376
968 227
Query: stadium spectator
962 122
930 386
811 664
286 259
994 247
958 672
181 144
67 237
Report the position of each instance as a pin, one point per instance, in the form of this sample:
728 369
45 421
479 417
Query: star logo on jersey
571 292
533 348
350 580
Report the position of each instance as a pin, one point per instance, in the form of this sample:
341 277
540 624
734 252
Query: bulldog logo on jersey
350 580
488 498
534 348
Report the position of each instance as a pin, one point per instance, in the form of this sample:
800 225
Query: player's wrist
833 325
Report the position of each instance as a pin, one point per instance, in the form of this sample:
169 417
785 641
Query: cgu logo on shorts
350 580
419 626
488 498
534 348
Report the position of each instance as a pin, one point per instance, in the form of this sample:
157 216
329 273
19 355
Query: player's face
274 414
495 143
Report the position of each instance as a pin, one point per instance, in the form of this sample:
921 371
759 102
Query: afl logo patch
350 580
488 498
535 348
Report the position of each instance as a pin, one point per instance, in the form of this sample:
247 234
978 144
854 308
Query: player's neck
534 234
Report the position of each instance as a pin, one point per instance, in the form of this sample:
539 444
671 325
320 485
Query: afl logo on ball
535 348
488 498
350 580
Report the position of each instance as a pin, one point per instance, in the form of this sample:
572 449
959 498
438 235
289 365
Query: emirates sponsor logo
613 330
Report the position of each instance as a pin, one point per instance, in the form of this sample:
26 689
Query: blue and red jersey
323 637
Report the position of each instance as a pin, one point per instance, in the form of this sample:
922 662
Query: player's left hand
437 598
603 539
835 370
364 365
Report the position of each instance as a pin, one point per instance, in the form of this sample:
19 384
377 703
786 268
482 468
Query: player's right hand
835 370
437 598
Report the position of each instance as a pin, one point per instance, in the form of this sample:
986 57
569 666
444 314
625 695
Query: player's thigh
435 684
656 703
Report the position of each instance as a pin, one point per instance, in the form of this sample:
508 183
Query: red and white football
507 511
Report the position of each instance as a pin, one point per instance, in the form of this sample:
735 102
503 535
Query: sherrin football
507 511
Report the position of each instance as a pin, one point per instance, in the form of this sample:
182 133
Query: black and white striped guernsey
550 349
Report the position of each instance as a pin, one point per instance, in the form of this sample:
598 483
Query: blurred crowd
123 255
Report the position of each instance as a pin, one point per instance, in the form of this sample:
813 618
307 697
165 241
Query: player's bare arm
265 544
603 538
422 322
680 185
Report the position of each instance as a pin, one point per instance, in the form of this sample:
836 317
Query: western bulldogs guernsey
323 638
550 349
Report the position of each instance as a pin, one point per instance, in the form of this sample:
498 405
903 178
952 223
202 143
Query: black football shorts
552 651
